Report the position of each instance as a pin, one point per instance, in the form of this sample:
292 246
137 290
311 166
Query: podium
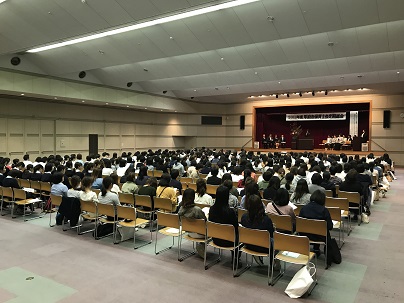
356 144
305 144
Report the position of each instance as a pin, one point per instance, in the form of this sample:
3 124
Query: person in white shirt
26 160
106 196
75 191
201 197
107 170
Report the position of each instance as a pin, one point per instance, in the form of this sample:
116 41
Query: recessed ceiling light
106 103
161 110
175 111
133 27
222 59
127 105
145 108
171 38
194 90
22 94
398 72
256 73
56 98
145 69
101 52
85 101
279 82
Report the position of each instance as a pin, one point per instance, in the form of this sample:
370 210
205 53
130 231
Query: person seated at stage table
334 140
270 141
282 140
276 141
264 141
328 143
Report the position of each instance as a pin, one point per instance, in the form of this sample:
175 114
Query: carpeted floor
43 264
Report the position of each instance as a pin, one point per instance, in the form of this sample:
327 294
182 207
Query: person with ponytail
106 196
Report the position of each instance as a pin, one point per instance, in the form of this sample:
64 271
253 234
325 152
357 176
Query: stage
335 152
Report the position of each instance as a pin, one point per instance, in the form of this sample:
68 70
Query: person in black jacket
214 179
10 180
174 182
221 213
351 184
316 210
327 184
2 174
47 176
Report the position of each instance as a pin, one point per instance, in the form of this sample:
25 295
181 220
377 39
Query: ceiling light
398 72
279 82
331 43
133 27
300 94
1 1
83 101
313 93
22 94
106 103
145 69
56 98
271 18
326 92
145 108
161 110
127 105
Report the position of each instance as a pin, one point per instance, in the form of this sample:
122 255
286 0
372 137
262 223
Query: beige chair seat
138 222
199 240
165 231
105 220
24 202
221 247
253 252
301 259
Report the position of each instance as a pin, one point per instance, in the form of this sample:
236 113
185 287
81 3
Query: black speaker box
386 119
242 122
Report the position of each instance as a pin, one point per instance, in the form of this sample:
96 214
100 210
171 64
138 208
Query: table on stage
305 144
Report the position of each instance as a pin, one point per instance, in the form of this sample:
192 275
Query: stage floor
336 152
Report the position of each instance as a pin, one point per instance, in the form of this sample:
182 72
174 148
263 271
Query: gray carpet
43 264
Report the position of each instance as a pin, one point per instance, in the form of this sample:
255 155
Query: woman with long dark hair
220 212
301 195
142 176
97 178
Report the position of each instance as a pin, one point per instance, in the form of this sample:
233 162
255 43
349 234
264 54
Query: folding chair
104 213
20 198
150 173
7 192
291 249
172 228
192 186
158 174
211 189
328 193
45 190
192 226
225 232
88 212
186 180
297 209
343 204
128 213
36 185
24 183
266 201
262 238
314 227
335 213
354 198
127 199
142 201
55 201
282 223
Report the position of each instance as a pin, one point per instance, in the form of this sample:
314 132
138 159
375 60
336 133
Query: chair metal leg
207 266
187 255
247 267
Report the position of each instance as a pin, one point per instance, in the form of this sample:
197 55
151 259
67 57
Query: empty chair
55 201
144 206
354 200
282 223
192 226
20 198
291 249
337 222
127 218
7 196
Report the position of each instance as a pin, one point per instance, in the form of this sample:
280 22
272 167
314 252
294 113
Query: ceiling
261 48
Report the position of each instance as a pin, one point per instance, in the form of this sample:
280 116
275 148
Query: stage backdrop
272 120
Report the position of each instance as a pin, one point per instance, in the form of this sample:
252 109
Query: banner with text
353 123
315 116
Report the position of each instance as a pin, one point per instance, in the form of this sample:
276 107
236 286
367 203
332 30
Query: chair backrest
328 193
240 213
282 222
126 198
192 185
89 206
158 173
168 220
203 176
186 180
126 212
266 201
297 209
335 213
254 237
211 189
311 226
8 192
374 180
184 185
106 209
351 196
163 204
150 173
36 185
193 225
337 189
24 183
45 186
221 231
97 191
19 194
342 203
56 200
201 205
235 184
292 243
142 200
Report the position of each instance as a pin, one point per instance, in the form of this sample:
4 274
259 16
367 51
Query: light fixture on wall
313 93
145 24
326 92
300 94
277 96
129 84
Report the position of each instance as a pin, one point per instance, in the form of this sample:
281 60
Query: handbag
365 218
301 281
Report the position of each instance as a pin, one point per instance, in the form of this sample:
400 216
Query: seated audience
301 195
201 196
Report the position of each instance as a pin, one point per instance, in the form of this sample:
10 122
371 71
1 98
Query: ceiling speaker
129 84
82 74
15 61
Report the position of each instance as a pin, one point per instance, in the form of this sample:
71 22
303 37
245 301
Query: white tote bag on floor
301 282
